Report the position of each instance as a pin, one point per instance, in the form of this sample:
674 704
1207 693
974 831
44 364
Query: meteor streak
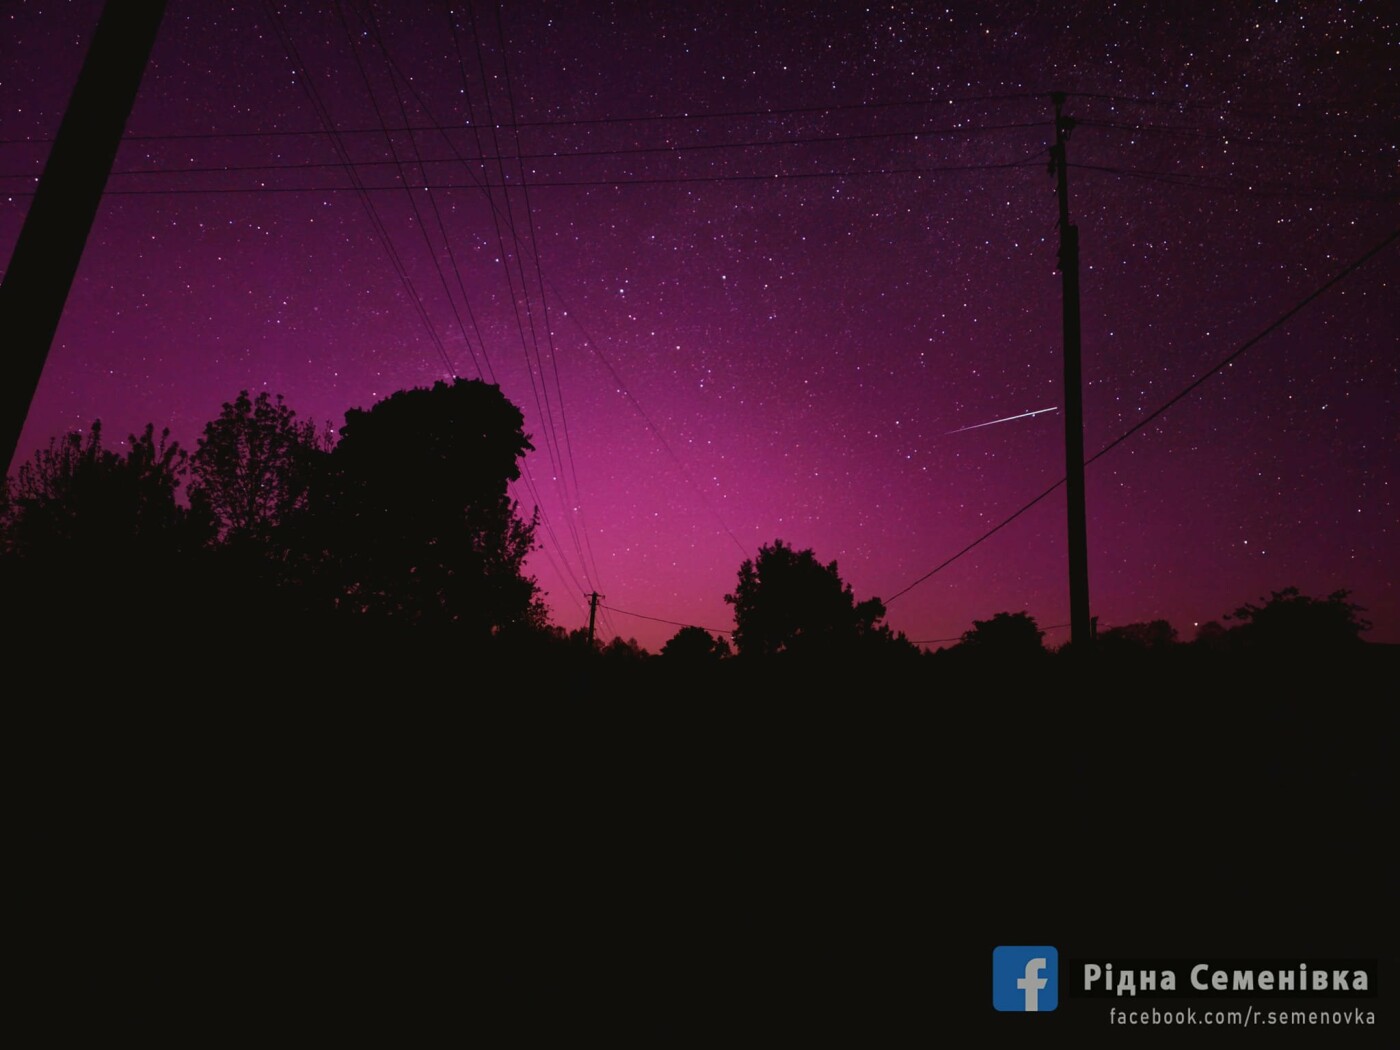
1007 419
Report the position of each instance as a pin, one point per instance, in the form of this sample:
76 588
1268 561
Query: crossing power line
673 623
768 177
569 154
572 122
1273 326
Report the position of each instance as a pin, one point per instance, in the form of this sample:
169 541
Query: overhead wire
544 299
565 154
651 426
1234 136
482 184
1206 181
658 619
515 125
371 24
587 586
419 222
1223 105
1190 387
589 340
1202 181
543 403
590 121
772 177
391 250
376 222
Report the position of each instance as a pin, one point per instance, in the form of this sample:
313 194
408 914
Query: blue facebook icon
1025 980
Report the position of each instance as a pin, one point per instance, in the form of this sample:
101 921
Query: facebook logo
1025 979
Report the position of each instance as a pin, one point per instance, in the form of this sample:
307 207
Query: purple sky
730 362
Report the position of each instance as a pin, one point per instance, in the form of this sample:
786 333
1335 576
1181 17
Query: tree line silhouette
399 531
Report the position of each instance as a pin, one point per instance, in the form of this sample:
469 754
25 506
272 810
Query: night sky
708 361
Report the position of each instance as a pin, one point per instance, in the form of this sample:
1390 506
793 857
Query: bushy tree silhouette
1155 636
81 503
417 522
1009 636
787 601
1291 620
255 465
628 651
695 646
88 528
1212 637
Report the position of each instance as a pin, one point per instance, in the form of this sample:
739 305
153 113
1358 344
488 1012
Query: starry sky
746 269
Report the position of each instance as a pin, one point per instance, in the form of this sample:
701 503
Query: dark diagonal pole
50 245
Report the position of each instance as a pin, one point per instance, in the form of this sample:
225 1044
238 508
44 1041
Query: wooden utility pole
50 244
592 614
1081 629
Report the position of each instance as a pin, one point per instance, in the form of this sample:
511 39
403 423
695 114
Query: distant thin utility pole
592 613
1081 628
50 244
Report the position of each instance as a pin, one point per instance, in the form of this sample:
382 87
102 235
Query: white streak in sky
1007 419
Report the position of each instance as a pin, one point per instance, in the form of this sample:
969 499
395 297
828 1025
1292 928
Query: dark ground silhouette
334 744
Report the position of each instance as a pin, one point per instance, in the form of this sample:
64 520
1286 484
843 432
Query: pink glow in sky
802 346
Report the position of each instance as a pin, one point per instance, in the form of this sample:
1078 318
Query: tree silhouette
1154 636
1291 620
787 601
620 651
416 520
87 526
1010 636
80 503
695 646
1212 637
255 465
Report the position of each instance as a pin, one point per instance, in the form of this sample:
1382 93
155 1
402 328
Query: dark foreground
398 842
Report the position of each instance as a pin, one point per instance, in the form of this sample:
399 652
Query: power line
544 406
1198 180
979 540
395 258
412 199
657 619
770 178
655 430
273 133
569 154
1247 344
1290 119
372 30
486 186
1235 136
544 305
540 391
1275 325
1137 101
1207 181
581 121
432 200
377 223
496 217
792 111
550 439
